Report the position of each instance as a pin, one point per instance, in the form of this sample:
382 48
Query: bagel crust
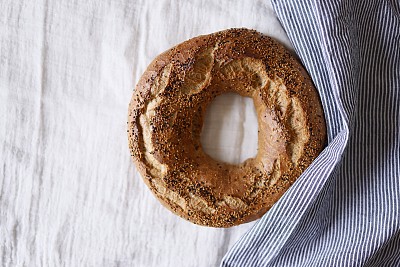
165 119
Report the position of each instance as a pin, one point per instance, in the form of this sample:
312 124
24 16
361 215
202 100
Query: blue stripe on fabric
344 210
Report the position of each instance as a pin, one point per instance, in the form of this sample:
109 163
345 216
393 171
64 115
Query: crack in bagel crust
166 116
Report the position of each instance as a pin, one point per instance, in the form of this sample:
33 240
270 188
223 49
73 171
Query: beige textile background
69 193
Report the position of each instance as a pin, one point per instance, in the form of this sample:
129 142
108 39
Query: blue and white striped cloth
345 209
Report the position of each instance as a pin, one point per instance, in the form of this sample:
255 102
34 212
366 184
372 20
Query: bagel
166 114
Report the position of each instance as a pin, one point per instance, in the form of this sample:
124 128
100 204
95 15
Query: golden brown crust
166 115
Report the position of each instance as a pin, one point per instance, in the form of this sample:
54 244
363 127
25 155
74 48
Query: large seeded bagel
166 116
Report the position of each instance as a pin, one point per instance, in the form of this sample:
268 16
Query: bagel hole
230 130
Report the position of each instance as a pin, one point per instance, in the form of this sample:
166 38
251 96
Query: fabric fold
328 217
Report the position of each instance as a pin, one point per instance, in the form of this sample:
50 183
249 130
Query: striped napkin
345 209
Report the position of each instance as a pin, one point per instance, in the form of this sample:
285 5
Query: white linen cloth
69 192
